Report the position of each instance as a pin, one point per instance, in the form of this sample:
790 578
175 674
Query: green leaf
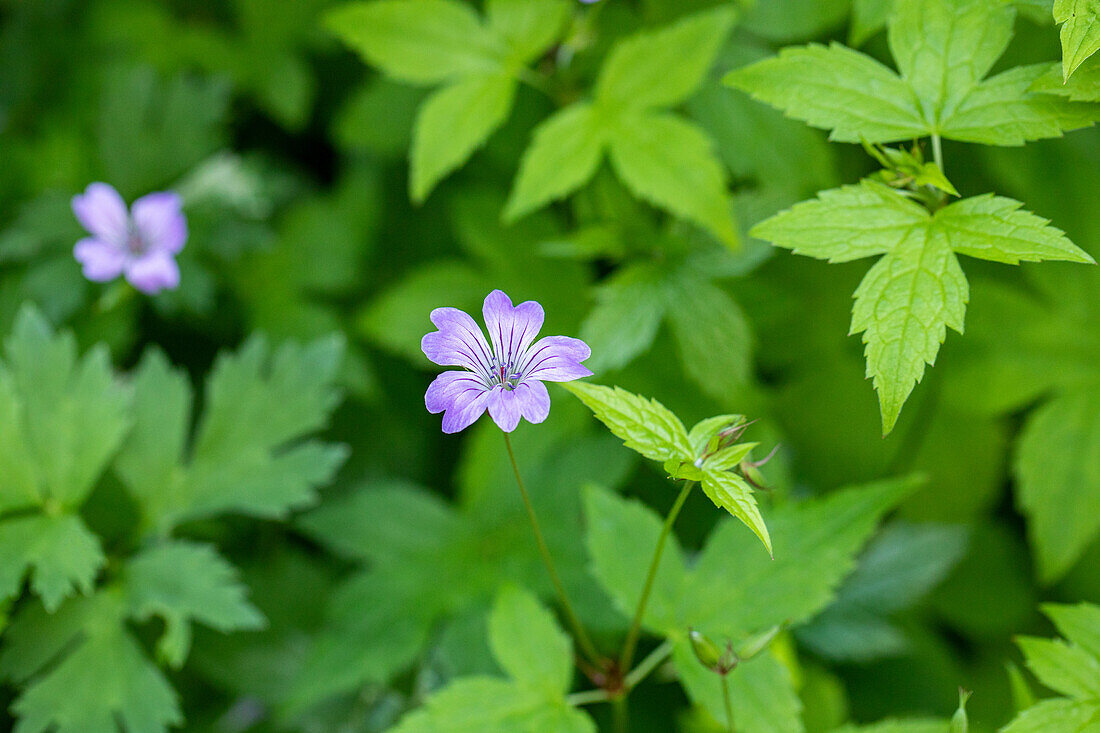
1080 21
736 590
766 699
1066 669
630 306
565 151
183 582
910 296
1003 110
671 164
943 48
903 308
528 26
1079 623
528 645
92 676
662 68
1060 715
837 89
73 412
995 228
644 425
1058 469
1083 86
844 224
248 455
59 552
868 18
731 492
454 122
713 336
621 535
422 42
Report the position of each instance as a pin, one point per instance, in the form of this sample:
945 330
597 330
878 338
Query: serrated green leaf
423 42
1058 468
528 644
95 677
59 553
735 589
731 492
762 686
903 308
1080 34
565 151
453 123
997 228
844 224
182 583
644 425
629 309
1061 715
620 534
1079 623
73 415
671 164
837 89
662 67
1066 669
529 27
245 457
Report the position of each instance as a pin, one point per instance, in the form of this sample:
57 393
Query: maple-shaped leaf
61 420
250 453
917 289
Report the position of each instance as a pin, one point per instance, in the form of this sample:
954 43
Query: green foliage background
226 509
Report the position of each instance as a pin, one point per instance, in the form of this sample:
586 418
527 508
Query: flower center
505 377
135 245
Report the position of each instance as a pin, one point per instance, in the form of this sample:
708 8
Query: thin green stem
937 152
726 699
587 697
627 656
586 645
647 665
620 714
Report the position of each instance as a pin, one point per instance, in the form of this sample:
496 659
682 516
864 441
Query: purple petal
450 389
465 411
153 272
534 401
102 212
458 342
511 329
557 359
504 408
101 261
160 222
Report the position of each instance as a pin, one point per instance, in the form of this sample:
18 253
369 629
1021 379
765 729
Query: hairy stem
627 656
586 645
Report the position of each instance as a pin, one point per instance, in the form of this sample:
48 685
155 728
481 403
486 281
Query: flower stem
647 665
627 656
726 699
937 152
579 633
620 714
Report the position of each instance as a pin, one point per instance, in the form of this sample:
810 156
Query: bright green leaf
1080 21
731 492
528 644
996 228
422 42
644 425
1062 715
671 164
61 555
1079 623
1066 669
454 122
528 26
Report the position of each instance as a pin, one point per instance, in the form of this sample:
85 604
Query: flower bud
718 659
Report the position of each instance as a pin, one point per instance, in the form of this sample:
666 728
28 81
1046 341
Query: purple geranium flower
507 379
141 243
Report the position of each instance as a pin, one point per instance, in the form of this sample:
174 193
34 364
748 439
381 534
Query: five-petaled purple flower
507 378
141 243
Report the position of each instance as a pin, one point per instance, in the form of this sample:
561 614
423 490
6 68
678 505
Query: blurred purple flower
507 378
140 243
